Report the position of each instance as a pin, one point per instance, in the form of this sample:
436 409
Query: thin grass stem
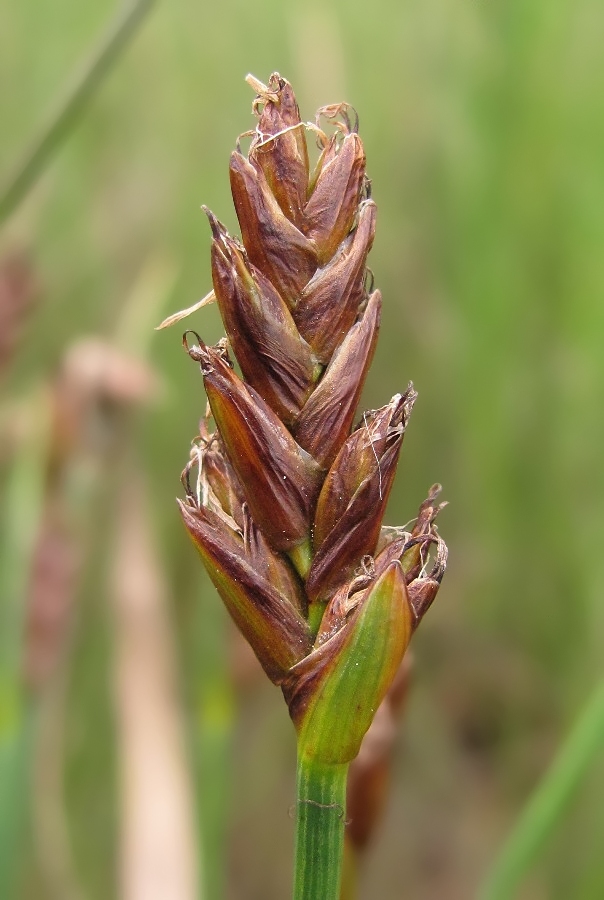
71 103
320 820
549 802
215 726
19 525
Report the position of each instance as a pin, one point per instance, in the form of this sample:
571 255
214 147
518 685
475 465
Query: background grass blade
549 802
19 525
67 109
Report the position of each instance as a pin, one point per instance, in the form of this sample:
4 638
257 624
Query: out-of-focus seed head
18 293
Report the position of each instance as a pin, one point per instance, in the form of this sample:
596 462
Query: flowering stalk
287 504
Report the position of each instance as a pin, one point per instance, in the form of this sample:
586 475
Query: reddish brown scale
274 245
273 356
279 150
275 629
329 304
326 420
334 202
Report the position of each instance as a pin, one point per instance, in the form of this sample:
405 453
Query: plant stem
61 119
20 519
545 808
320 818
215 725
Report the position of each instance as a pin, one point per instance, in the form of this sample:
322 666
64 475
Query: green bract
340 685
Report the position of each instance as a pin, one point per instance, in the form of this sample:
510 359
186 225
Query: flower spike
287 508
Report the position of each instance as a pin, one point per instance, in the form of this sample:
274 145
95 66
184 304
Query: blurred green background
483 125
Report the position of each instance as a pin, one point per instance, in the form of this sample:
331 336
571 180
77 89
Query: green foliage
550 801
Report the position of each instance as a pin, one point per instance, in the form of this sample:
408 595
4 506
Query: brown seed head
287 511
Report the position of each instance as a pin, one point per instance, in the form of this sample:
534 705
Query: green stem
545 808
61 119
20 519
215 738
320 818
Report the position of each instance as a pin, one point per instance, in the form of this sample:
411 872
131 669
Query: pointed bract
274 244
273 356
281 481
279 149
273 627
333 693
274 567
329 303
333 204
325 422
355 535
361 458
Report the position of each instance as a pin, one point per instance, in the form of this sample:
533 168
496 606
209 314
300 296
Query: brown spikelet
287 506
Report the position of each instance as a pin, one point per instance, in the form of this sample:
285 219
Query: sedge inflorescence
285 497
